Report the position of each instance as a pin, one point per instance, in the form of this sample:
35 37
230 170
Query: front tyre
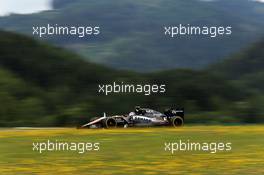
177 121
110 123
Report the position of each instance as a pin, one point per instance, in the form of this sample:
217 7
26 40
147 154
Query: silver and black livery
139 117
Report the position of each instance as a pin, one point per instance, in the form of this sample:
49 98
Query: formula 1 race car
139 117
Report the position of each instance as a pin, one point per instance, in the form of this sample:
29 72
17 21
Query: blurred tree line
42 85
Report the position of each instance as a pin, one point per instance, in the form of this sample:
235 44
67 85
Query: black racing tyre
177 121
110 123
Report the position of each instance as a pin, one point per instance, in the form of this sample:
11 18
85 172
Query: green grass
134 151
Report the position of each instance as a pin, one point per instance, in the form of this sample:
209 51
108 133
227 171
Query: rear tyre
110 123
177 121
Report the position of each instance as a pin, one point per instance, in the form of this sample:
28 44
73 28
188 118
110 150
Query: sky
32 6
23 6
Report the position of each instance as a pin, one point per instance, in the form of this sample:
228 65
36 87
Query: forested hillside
132 31
246 67
48 86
